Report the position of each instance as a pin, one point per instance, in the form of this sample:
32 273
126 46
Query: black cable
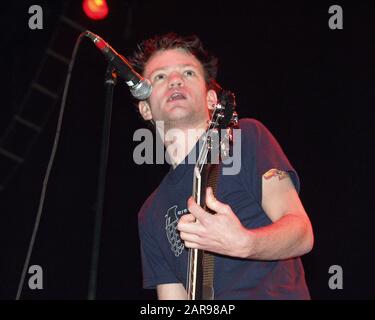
49 167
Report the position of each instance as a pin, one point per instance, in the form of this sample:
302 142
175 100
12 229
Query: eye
189 73
159 76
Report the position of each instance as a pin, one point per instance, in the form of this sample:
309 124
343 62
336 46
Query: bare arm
171 291
290 234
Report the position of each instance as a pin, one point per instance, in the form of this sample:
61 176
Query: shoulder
146 207
251 125
252 130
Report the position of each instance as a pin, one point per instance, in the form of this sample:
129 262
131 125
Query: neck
179 141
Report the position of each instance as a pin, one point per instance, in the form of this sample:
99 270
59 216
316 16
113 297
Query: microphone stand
109 84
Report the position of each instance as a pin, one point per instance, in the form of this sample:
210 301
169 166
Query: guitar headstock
224 114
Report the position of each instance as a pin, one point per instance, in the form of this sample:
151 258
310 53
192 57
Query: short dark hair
191 44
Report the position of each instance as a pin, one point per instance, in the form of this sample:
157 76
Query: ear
211 99
145 110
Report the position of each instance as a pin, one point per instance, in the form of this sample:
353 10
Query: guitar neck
194 291
200 269
197 287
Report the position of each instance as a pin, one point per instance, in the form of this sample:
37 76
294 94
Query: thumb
215 204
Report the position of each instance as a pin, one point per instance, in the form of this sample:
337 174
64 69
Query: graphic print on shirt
171 221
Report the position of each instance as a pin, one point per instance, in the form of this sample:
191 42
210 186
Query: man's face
179 96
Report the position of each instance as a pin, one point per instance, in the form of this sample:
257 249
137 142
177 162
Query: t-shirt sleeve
154 266
260 153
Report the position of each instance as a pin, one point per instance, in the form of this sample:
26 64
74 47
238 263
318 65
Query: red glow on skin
95 9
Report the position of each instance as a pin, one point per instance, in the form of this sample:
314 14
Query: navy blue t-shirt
164 257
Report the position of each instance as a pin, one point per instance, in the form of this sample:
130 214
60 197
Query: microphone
140 88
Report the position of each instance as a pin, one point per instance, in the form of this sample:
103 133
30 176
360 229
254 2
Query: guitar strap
208 262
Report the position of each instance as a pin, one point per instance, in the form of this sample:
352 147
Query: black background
310 85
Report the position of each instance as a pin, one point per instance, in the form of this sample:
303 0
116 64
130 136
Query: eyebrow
179 65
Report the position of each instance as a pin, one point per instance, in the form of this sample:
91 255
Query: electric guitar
200 269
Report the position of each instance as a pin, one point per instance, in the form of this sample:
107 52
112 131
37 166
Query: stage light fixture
95 9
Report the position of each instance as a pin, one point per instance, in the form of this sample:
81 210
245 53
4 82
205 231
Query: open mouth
176 96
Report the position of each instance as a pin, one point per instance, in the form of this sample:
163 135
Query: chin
178 118
177 112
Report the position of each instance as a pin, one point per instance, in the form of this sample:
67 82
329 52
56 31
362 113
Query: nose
175 80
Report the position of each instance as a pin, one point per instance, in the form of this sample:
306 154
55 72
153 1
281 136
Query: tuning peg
234 119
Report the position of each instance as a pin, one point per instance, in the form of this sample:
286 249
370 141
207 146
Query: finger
197 210
189 237
192 245
215 204
187 218
189 227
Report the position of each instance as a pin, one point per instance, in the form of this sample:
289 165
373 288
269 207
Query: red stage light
95 9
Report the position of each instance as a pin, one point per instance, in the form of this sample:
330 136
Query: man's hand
289 235
221 233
